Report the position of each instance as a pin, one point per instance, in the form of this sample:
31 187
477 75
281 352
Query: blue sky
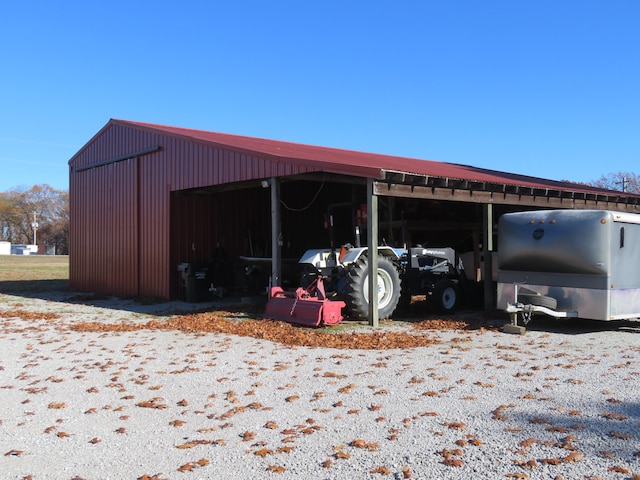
549 88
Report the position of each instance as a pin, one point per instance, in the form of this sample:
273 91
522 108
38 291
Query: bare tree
623 181
40 211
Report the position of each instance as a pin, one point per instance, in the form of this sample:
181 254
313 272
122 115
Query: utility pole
34 225
624 182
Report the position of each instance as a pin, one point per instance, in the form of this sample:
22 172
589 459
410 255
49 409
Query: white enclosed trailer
569 263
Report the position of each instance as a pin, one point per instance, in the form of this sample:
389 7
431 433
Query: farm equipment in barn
335 283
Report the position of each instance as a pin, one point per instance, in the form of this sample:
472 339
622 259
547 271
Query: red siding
104 253
121 222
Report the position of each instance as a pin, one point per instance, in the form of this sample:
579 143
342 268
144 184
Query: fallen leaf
618 469
276 469
381 470
14 453
613 416
619 435
153 403
455 425
573 457
456 452
529 464
528 442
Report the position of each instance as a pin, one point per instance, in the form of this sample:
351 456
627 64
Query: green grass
33 273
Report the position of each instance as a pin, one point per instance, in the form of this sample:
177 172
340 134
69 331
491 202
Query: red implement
304 306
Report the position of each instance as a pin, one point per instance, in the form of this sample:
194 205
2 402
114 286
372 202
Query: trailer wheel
357 289
446 296
538 300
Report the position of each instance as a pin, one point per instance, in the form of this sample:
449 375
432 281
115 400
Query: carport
468 185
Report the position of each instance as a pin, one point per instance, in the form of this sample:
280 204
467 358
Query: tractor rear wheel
357 289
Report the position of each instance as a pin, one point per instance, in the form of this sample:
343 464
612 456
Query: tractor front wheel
357 289
446 295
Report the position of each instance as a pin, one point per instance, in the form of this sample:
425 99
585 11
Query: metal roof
391 170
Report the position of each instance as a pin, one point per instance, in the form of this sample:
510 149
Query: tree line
41 206
623 181
49 209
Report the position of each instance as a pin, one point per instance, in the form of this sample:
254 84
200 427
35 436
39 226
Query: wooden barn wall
121 227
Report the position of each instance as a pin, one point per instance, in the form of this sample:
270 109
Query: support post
372 236
276 234
487 252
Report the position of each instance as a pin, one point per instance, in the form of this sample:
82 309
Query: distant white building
5 248
24 249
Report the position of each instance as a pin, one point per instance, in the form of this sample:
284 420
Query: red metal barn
147 198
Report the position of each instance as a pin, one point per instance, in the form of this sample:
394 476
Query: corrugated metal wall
104 234
121 212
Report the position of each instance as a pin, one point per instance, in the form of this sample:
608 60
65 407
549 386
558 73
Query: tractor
334 283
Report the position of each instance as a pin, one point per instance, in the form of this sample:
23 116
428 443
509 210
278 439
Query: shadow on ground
577 326
34 288
59 291
416 313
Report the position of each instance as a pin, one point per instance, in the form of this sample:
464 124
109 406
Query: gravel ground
155 403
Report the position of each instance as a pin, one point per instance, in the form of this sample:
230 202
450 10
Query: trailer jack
526 311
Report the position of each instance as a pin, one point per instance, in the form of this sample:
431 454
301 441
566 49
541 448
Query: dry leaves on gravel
282 332
28 315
